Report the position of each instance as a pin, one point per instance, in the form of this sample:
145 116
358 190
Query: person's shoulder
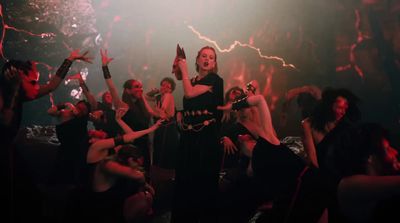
213 78
168 95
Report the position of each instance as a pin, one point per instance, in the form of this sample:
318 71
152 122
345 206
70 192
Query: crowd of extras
228 163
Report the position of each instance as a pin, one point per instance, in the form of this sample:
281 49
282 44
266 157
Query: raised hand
75 55
120 113
105 60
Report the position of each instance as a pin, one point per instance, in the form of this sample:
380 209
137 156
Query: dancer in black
199 155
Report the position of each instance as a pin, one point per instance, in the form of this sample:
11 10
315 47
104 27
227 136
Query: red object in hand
180 54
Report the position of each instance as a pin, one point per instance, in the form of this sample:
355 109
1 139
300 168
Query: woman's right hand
105 60
229 146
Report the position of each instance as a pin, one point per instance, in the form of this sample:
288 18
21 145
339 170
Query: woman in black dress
199 155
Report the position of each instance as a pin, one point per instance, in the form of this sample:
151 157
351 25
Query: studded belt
197 127
194 113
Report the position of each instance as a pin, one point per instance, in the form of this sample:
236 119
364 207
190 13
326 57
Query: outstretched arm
267 130
105 60
89 96
149 108
55 80
99 149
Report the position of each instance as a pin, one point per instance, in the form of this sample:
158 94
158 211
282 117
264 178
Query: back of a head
323 112
306 103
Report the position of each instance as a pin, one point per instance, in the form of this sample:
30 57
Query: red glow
352 59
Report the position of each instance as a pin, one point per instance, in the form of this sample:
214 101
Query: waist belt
197 127
194 113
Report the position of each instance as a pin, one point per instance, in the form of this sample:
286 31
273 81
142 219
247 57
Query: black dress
199 155
70 166
298 192
138 120
166 142
107 123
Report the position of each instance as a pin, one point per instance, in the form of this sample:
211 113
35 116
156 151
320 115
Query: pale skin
266 130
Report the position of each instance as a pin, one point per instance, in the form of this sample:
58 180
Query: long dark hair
324 114
138 106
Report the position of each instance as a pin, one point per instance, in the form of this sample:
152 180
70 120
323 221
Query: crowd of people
227 159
